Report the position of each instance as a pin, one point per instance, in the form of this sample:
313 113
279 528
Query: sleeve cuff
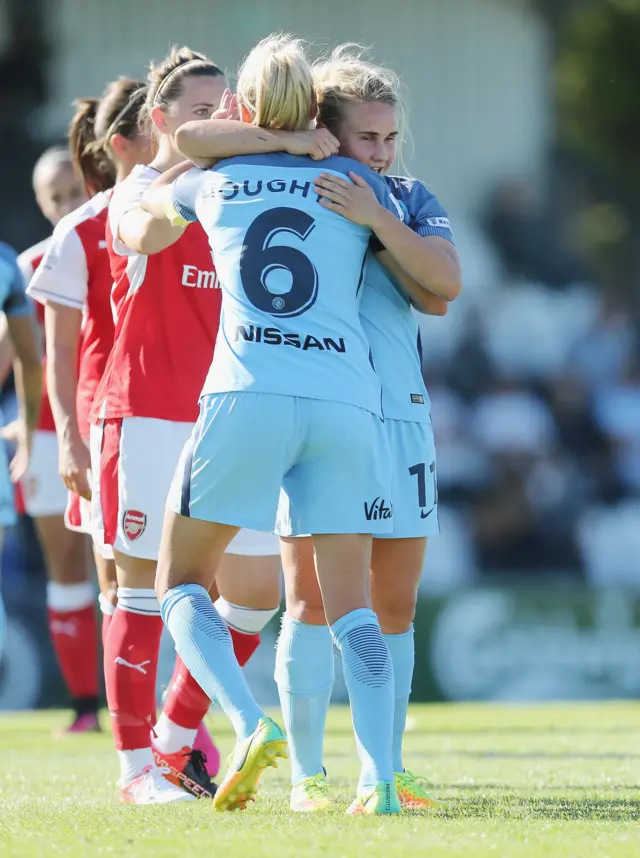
177 215
46 296
425 229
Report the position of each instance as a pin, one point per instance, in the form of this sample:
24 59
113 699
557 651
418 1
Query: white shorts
254 543
77 517
136 458
43 491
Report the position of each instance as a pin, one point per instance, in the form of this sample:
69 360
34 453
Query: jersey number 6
260 258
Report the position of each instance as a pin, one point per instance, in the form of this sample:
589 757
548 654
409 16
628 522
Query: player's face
369 134
200 97
58 191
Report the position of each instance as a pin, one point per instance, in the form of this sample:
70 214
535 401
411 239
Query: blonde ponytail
275 84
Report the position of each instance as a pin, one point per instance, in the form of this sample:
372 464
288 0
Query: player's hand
357 202
317 143
12 431
228 107
20 462
74 463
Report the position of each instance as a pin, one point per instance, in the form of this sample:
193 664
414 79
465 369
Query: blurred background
522 117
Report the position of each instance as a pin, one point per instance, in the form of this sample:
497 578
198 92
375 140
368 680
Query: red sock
130 667
106 622
244 645
186 703
107 609
75 641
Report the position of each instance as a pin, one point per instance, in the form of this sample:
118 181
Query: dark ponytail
89 158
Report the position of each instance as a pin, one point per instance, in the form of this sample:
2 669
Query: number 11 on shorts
420 471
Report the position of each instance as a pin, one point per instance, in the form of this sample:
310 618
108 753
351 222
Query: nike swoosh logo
424 514
246 754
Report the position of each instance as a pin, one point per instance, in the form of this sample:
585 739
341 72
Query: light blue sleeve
426 215
184 193
12 286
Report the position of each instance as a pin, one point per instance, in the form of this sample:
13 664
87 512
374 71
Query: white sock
133 763
168 737
70 597
106 605
250 621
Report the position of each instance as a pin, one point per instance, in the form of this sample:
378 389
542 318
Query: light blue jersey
291 273
387 318
13 302
13 299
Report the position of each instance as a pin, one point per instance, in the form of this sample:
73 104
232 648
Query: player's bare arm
422 299
62 330
147 234
212 139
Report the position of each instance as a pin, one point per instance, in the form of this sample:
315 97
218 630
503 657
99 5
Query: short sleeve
426 214
62 276
184 194
14 298
127 196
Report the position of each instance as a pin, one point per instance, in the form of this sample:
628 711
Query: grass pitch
536 781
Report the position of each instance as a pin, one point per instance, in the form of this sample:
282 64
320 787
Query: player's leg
249 576
108 584
77 517
190 551
71 615
304 673
127 510
248 581
396 567
70 590
341 494
228 474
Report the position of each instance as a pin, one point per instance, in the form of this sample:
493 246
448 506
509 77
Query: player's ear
160 120
119 145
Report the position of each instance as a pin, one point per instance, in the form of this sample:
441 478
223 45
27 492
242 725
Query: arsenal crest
133 523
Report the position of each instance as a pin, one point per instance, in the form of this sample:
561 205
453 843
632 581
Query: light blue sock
402 652
203 642
304 674
368 673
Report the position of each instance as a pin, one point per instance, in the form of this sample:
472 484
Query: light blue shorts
330 459
414 490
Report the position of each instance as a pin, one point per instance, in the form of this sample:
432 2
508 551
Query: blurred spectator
617 410
527 239
535 395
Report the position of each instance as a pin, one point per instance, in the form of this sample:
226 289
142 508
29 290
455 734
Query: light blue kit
291 398
392 330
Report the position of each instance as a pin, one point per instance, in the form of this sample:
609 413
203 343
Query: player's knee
305 612
68 569
396 614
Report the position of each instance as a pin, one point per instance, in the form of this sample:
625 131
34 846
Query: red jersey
75 273
28 262
167 309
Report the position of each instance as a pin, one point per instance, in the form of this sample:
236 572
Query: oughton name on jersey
276 337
